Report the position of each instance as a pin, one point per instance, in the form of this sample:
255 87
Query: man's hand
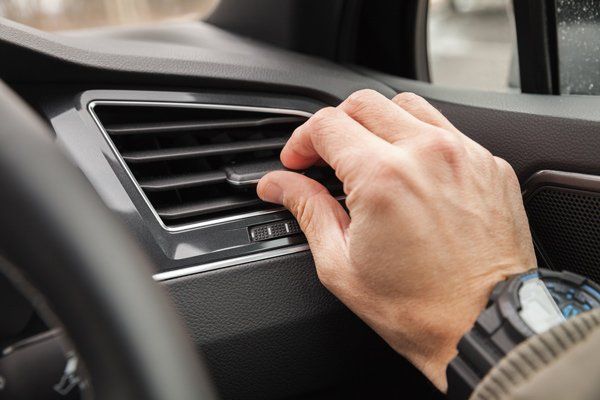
435 220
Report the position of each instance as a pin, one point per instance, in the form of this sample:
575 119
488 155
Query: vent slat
182 181
203 151
198 164
187 126
207 207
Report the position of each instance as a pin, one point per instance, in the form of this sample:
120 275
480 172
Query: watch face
572 300
538 308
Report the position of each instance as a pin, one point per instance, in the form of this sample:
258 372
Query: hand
435 220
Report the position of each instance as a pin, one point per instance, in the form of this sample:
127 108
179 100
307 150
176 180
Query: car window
53 15
472 44
578 34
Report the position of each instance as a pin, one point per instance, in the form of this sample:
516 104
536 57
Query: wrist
526 305
442 325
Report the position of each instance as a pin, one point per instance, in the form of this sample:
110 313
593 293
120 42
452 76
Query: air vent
200 163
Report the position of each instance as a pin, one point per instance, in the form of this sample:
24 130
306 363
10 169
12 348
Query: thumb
320 216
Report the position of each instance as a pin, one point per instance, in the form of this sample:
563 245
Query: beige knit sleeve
562 363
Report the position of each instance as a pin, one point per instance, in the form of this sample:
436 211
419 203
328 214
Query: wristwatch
520 307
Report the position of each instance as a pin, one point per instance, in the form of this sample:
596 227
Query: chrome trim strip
91 105
178 273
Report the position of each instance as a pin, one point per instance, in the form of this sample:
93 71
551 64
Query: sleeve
561 363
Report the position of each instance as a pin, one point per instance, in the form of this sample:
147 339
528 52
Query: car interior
134 244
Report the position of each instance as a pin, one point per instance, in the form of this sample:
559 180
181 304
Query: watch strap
494 334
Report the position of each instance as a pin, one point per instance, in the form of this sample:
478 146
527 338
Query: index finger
333 136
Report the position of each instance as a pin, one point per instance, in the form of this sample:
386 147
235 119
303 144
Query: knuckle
447 145
323 118
503 165
386 173
363 95
386 168
378 195
360 100
304 209
304 213
325 114
507 172
485 154
409 99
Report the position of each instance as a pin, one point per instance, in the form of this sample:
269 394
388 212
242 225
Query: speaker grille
566 227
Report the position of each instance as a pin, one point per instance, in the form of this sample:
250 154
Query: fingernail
271 193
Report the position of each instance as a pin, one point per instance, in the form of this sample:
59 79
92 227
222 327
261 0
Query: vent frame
175 104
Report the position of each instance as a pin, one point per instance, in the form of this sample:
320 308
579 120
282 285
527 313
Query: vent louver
197 164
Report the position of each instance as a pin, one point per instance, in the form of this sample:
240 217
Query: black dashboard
256 310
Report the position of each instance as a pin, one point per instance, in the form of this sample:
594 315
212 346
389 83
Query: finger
427 113
421 109
381 116
336 138
321 217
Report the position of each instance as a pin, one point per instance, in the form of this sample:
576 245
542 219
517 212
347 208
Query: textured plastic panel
270 330
566 225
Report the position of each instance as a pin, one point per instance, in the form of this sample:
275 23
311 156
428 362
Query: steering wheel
61 242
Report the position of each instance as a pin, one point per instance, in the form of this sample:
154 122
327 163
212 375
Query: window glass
55 15
472 44
579 46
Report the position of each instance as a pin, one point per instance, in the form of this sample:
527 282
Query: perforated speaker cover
564 214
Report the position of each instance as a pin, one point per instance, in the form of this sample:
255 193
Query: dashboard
239 273
254 308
